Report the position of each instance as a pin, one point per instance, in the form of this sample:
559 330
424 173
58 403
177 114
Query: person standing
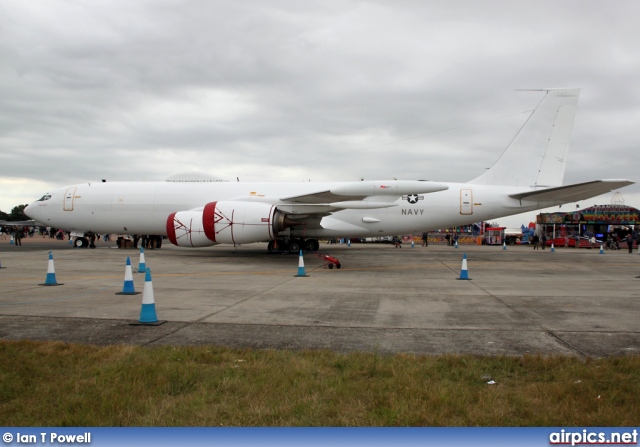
543 240
17 236
616 241
630 242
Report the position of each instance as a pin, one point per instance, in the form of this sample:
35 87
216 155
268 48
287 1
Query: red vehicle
329 261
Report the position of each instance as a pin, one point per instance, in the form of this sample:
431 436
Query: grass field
58 384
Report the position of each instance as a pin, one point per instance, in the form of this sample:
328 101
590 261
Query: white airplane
528 176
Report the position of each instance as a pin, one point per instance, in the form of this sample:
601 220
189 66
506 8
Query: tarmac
570 302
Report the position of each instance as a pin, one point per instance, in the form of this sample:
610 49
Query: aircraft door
466 201
68 199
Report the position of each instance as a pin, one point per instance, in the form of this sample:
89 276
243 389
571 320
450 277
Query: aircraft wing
572 193
20 223
357 195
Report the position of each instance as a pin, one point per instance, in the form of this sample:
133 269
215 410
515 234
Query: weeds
57 384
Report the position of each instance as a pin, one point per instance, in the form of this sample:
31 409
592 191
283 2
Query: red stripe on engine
208 221
171 229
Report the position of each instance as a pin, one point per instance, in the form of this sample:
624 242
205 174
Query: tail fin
536 157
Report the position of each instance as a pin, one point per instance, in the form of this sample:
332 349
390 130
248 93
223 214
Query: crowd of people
17 233
610 242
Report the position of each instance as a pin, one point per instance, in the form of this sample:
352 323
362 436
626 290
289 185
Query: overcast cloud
287 90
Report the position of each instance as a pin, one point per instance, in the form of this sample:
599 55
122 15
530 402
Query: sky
330 90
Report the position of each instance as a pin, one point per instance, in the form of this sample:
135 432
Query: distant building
598 221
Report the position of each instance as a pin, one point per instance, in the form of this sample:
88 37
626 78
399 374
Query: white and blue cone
464 274
301 270
128 287
51 273
148 310
142 266
601 249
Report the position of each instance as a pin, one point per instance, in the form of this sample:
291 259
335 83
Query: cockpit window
44 197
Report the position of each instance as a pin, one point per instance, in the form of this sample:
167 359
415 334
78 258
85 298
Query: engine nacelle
226 223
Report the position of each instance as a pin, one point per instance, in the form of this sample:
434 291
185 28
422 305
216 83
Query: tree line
16 214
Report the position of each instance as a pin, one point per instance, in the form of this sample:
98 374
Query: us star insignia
412 198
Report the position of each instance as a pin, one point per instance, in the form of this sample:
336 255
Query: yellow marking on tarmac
317 269
313 269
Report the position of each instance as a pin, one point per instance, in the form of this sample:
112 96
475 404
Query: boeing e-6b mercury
528 176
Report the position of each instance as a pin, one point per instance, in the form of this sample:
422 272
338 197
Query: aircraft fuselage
144 207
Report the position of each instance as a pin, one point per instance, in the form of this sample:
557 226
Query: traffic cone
51 274
412 244
11 242
142 266
601 249
349 242
1 267
456 244
464 274
552 248
504 245
128 288
301 271
148 310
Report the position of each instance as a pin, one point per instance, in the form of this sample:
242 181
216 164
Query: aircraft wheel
271 247
294 246
338 265
81 243
311 245
330 266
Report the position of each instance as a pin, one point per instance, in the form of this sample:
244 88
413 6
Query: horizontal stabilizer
572 193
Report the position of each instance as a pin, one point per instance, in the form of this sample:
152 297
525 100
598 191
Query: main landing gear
292 245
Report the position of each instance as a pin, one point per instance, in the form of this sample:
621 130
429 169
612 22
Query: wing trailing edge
572 193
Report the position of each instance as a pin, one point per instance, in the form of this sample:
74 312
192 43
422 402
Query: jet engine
227 222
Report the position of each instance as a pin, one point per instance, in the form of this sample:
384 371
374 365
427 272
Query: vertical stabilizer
537 155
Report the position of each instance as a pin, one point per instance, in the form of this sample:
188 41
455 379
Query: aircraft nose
30 210
27 209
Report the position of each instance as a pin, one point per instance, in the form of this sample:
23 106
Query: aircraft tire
294 245
81 242
311 245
